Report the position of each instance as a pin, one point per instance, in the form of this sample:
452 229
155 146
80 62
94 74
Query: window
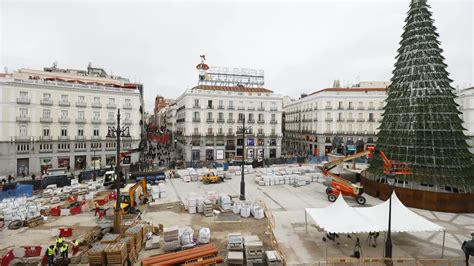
127 116
80 132
328 105
64 98
273 131
273 117
328 115
360 116
46 96
360 104
81 115
350 115
231 116
339 127
371 117
220 130
63 132
221 116
23 131
196 116
46 113
360 127
241 117
209 104
209 130
23 113
196 130
45 132
350 106
23 95
350 127
128 102
250 117
81 99
231 103
340 105
63 114
96 132
339 116
111 115
261 104
230 130
371 127
96 116
221 103
328 127
196 103
97 100
260 117
260 131
111 100
209 115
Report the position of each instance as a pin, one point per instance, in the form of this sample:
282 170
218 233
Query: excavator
128 196
340 185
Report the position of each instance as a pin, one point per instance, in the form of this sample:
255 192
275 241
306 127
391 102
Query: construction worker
97 208
59 241
64 250
75 247
51 251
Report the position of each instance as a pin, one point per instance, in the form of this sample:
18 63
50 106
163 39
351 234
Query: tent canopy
340 218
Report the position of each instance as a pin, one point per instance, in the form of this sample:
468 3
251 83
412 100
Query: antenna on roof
55 64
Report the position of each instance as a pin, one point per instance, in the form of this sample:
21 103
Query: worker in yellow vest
64 250
59 241
51 251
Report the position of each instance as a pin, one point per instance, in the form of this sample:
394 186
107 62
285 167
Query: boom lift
340 185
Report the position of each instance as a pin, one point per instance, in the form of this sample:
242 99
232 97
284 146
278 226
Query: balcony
196 135
81 104
22 139
230 108
340 108
251 121
261 121
240 121
45 138
127 121
328 132
261 109
196 119
240 108
96 120
220 107
210 120
46 102
111 106
360 120
350 108
63 137
328 119
111 121
127 106
95 138
370 108
230 121
46 119
340 120
80 148
23 119
350 120
96 105
64 103
80 138
251 108
210 107
180 120
197 106
273 109
220 134
328 108
306 120
273 121
315 120
371 120
210 134
23 100
64 120
64 150
220 120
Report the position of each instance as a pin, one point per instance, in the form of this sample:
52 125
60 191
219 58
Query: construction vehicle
211 178
340 185
132 194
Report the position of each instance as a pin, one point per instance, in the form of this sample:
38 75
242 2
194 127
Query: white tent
340 218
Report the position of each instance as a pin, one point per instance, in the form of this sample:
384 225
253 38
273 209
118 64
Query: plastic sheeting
342 219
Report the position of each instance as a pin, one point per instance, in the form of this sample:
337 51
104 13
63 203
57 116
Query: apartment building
60 117
465 100
354 114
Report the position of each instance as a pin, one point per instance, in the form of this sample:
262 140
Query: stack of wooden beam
96 254
116 254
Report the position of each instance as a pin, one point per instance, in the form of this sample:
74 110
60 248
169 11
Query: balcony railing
340 108
220 120
210 107
371 108
315 120
111 106
23 119
328 108
45 138
46 119
81 104
127 121
230 147
80 138
240 121
180 120
197 106
221 134
209 134
340 120
221 107
371 120
251 108
261 109
64 120
111 121
127 106
96 121
360 120
64 103
273 109
23 100
350 119
360 108
273 121
96 105
230 108
251 121
230 121
350 108
210 120
306 120
328 119
261 121
63 137
196 119
240 108
46 102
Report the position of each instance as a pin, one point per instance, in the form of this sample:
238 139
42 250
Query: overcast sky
302 46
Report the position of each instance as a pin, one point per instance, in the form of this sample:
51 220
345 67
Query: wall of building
465 100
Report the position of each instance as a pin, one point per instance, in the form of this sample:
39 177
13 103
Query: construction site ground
285 205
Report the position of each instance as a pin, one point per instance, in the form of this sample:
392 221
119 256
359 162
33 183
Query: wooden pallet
116 253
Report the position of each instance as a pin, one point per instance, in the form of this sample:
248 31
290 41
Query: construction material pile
158 191
204 255
171 238
19 208
290 175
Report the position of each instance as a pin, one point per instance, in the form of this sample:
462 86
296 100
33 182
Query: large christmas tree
421 123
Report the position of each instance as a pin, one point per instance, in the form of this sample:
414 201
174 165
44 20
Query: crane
341 185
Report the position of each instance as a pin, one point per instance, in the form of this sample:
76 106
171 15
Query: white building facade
354 114
465 100
208 118
60 118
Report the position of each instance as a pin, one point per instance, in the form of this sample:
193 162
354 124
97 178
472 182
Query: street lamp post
93 161
117 132
242 180
388 242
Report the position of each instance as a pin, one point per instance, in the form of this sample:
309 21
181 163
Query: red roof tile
232 88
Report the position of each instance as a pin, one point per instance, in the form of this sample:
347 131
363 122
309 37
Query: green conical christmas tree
421 123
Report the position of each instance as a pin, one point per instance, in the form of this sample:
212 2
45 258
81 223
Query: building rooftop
238 88
353 89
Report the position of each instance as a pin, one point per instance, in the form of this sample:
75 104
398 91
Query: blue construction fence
19 191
